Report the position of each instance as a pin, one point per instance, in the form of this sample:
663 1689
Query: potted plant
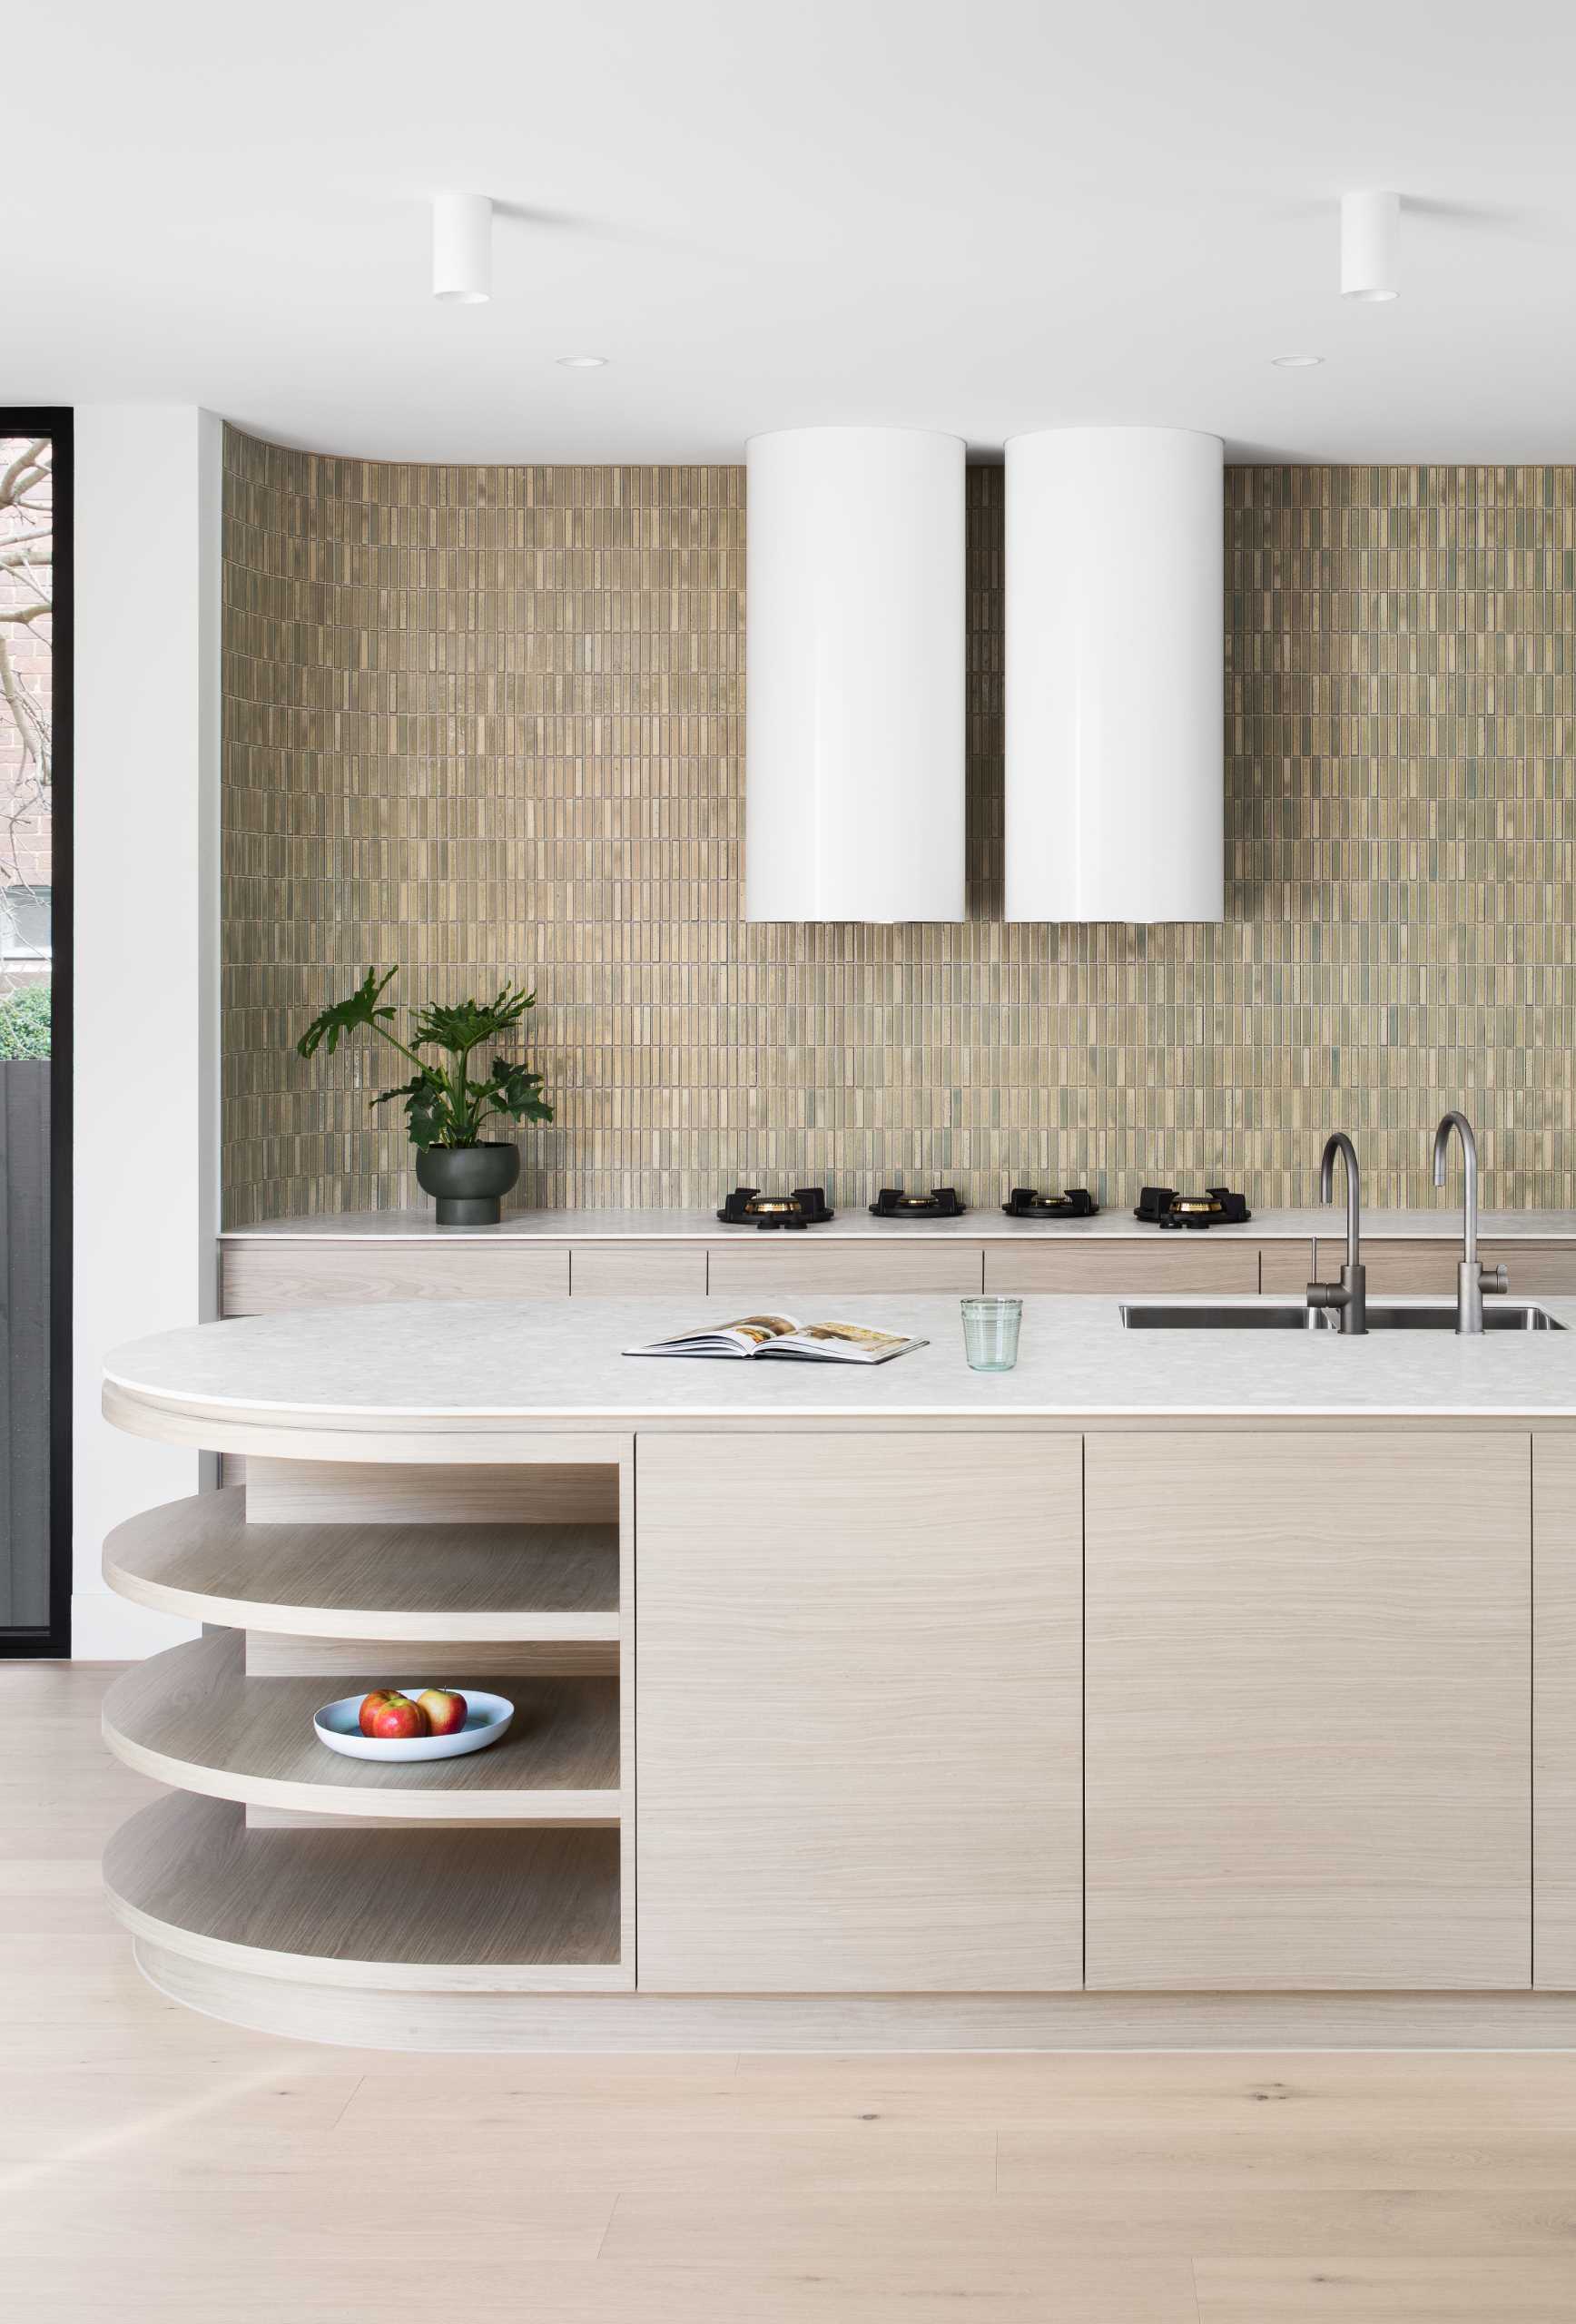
446 1110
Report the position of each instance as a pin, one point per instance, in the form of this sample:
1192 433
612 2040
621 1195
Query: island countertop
533 1366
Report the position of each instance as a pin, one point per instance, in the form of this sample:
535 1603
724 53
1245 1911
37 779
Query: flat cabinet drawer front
1397 1268
1177 1262
1536 1270
635 1270
265 1278
1308 1705
1554 1710
859 1717
779 1266
1287 1267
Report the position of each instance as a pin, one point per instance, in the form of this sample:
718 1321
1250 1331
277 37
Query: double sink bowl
1287 1316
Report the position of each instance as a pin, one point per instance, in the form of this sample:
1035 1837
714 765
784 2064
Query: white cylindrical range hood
1115 642
854 728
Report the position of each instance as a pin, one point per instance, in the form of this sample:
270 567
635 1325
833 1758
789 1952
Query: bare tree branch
16 479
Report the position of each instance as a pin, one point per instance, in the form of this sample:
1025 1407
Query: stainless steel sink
1512 1316
1282 1315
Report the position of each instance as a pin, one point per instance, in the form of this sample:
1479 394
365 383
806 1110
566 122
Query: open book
784 1335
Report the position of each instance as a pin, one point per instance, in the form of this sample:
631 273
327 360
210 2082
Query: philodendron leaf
512 1091
427 1110
347 1016
467 1024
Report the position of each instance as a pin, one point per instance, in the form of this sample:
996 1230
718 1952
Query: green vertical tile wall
488 722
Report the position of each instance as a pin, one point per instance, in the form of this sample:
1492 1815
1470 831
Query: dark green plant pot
468 1181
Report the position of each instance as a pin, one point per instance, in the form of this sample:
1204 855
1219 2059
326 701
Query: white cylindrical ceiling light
1370 246
853 771
462 248
1116 651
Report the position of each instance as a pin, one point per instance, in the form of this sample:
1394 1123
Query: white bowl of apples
413 1723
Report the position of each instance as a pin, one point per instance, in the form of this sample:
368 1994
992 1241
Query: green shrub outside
25 1022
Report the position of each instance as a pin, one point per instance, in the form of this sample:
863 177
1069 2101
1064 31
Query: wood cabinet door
1554 1711
1308 1706
858 1716
1126 1268
633 1270
266 1277
756 1268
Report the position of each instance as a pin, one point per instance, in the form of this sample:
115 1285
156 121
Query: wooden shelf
191 1718
498 1912
199 1558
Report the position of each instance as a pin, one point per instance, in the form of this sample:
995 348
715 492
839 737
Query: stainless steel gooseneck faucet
1472 1280
1350 1295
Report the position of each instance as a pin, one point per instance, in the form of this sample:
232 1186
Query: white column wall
146 1052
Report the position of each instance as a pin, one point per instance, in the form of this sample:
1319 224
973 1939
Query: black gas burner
748 1206
1215 1206
1076 1202
942 1202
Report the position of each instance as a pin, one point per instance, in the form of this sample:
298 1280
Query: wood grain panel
763 1267
1308 1695
265 1278
1554 1711
1536 1270
1286 1267
1163 1262
583 1492
637 1270
1397 1268
191 1717
858 1735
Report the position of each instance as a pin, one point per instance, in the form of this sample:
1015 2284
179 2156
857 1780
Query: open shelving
508 1912
278 1866
202 1560
191 1718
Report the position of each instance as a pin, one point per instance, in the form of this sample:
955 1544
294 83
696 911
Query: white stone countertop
541 1363
983 1226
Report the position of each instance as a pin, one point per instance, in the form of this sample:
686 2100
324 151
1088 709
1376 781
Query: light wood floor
158 2169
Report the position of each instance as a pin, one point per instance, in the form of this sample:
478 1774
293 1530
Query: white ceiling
985 217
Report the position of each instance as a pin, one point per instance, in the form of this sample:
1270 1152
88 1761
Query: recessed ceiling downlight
1295 363
581 362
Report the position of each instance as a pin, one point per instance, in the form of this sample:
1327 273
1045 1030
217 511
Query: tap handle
1493 1279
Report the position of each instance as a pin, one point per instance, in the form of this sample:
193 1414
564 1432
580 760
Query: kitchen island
1178 1685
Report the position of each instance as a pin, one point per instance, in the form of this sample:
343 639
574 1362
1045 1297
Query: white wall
145 1071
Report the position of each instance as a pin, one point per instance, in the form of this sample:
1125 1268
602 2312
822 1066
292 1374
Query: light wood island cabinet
1308 1689
1171 1689
1554 1711
858 1755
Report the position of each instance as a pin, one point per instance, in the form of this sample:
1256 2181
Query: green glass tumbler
991 1332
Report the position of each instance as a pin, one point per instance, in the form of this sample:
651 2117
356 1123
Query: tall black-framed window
36 1021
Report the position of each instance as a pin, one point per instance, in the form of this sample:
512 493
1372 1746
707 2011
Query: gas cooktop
1215 1206
942 1202
1075 1202
748 1206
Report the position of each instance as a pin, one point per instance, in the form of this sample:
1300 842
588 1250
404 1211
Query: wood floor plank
1444 2289
967 2233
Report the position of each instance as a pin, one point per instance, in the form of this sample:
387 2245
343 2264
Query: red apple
445 1710
398 1720
373 1703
